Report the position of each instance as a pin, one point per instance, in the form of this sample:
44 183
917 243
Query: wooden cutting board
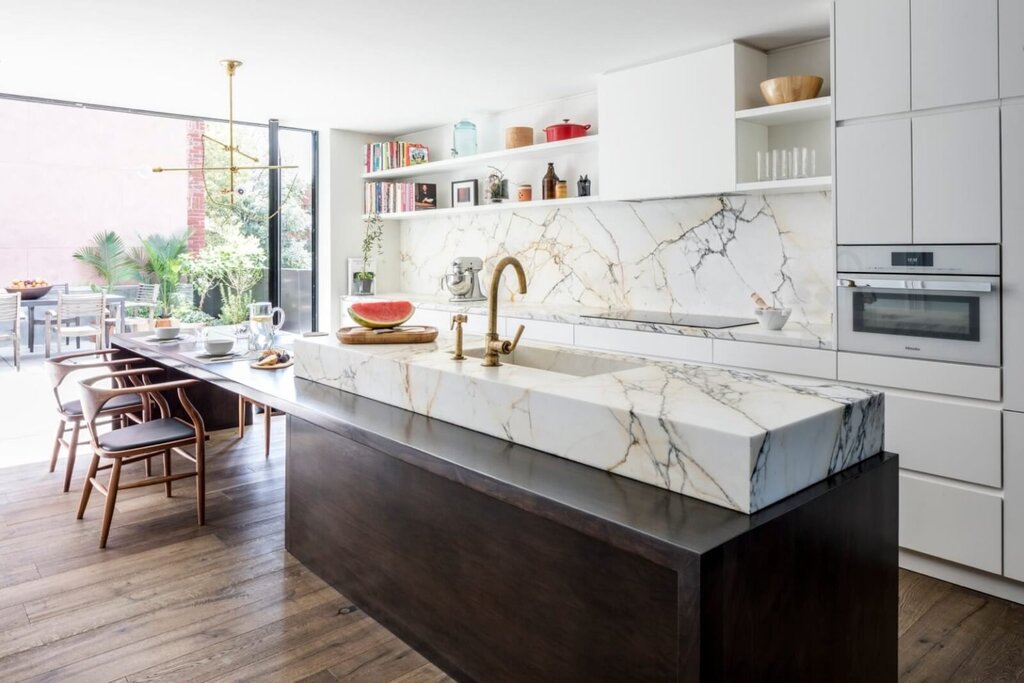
394 335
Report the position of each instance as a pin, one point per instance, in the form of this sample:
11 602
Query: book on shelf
383 156
384 197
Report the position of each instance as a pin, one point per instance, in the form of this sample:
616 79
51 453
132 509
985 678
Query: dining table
114 301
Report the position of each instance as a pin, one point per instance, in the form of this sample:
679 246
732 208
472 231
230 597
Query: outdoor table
114 301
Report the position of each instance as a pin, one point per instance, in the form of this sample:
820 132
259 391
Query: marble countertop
741 440
807 335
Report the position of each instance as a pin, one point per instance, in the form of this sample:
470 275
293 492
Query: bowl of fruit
30 288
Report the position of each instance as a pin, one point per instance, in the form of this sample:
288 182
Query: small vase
361 287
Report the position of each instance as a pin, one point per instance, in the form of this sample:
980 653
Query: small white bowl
166 332
772 318
218 346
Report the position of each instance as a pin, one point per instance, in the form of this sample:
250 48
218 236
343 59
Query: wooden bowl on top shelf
785 89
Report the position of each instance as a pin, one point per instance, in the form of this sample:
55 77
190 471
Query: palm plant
107 256
160 259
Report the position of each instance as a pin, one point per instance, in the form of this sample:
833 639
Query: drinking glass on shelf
763 167
775 163
785 165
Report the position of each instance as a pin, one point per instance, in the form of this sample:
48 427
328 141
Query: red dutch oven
566 130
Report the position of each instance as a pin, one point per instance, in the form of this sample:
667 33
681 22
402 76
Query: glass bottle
464 139
548 183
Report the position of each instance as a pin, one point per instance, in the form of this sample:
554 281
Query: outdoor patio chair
147 299
129 407
10 312
65 321
164 436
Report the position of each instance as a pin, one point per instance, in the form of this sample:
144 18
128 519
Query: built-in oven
937 302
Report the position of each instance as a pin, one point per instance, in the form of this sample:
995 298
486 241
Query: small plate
207 356
155 339
287 364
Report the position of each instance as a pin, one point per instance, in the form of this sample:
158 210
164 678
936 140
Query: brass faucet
493 346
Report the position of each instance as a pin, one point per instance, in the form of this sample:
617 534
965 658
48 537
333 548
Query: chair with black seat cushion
128 407
165 435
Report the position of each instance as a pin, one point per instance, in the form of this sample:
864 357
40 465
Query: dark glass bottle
549 182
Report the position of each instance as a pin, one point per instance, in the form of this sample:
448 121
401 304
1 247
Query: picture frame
464 193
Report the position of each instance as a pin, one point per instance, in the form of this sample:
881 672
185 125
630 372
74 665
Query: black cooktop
713 322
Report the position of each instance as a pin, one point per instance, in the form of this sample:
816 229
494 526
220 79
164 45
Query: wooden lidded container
518 136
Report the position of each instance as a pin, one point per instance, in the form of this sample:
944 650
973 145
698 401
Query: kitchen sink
562 361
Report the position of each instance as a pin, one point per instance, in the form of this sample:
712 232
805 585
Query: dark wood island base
546 570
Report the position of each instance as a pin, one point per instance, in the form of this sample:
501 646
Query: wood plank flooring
171 601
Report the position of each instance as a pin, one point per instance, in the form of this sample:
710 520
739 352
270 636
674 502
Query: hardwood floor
172 601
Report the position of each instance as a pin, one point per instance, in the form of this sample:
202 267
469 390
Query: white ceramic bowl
218 346
772 318
166 332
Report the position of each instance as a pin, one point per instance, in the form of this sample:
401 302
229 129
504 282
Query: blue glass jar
464 139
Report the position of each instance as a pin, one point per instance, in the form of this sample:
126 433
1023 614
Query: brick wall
196 188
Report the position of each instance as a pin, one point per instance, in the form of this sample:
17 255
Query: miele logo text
911 348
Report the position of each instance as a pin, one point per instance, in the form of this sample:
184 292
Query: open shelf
487 208
477 160
792 112
816 184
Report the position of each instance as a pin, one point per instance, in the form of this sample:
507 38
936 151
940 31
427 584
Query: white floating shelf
489 208
485 159
817 184
818 109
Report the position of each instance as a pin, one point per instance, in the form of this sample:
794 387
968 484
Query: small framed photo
464 193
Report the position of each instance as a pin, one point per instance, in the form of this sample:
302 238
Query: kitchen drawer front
439 319
944 438
950 379
541 330
771 358
952 522
674 346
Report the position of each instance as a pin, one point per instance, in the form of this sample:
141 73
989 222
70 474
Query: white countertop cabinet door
1013 495
872 48
1013 257
873 183
1011 48
954 53
956 177
668 129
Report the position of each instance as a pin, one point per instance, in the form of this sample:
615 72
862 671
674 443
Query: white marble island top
738 439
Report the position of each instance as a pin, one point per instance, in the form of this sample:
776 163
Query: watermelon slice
381 314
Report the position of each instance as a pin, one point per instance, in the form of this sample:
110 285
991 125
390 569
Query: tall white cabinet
872 55
873 183
1013 257
1011 48
954 55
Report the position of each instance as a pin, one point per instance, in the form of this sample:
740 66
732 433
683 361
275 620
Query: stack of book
381 156
382 197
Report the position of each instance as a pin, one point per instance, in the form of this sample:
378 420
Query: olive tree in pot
373 242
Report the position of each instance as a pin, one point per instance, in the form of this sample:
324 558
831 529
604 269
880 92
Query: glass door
296 223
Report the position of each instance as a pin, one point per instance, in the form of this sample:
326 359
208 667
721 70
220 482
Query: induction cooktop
713 322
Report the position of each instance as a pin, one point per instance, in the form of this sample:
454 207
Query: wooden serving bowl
30 292
791 88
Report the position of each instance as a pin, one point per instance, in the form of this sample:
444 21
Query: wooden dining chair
165 435
10 312
126 408
268 412
65 321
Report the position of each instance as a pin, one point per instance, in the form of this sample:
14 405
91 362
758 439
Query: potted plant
108 257
161 260
231 262
497 185
373 241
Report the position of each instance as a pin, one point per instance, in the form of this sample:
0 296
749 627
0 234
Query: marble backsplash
700 255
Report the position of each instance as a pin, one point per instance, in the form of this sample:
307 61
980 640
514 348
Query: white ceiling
375 66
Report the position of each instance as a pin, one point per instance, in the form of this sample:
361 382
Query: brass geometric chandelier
231 65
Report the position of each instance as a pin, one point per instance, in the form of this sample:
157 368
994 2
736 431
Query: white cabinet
1013 256
668 129
954 56
945 438
873 183
791 360
956 177
872 48
674 346
955 523
1013 474
1011 48
933 377
541 330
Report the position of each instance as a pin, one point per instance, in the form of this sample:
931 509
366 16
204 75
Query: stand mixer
463 280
